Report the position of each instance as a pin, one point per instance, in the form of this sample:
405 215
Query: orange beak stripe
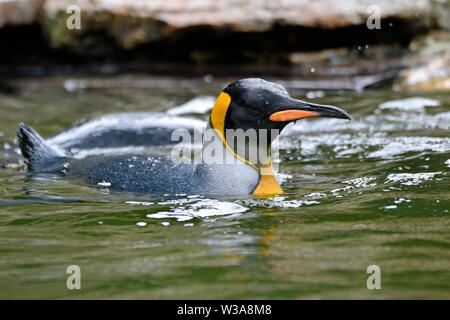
289 115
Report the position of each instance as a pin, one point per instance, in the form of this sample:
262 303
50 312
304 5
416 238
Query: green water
371 191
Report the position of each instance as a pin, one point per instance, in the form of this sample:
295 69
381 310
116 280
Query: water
371 191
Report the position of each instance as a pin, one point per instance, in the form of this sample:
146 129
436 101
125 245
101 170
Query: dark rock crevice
25 44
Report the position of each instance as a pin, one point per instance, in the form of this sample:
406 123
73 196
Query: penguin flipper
38 154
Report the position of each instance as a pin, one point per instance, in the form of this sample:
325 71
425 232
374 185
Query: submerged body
248 104
140 173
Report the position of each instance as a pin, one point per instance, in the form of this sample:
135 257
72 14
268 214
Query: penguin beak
297 109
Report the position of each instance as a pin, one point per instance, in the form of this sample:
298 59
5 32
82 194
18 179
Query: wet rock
432 44
433 70
125 22
328 55
365 59
133 23
441 13
15 12
433 76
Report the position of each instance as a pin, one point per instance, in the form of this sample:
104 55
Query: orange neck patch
268 184
218 113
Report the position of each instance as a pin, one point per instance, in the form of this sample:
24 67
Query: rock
328 55
432 44
441 13
19 12
134 23
433 76
432 51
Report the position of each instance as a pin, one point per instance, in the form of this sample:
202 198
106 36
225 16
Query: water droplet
208 78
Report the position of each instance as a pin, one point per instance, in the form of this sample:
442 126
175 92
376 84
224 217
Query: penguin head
262 106
258 104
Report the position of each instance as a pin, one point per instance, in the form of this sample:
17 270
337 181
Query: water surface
371 191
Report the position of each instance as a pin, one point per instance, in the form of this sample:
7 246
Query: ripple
401 200
361 182
279 202
414 103
377 122
363 144
140 203
316 195
354 185
411 179
402 145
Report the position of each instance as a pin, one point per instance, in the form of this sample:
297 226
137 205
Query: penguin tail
38 154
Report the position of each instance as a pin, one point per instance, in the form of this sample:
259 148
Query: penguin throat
268 184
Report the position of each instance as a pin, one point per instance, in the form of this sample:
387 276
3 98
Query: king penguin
247 104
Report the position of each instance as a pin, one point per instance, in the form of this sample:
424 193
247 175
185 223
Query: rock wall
304 33
14 12
133 23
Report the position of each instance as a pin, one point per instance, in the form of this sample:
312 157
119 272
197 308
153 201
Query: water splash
411 179
278 202
354 185
198 105
198 208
